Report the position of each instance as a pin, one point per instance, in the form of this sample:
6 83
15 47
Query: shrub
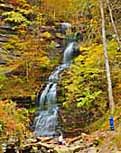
13 121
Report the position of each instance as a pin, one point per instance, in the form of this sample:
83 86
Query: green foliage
15 17
2 77
87 98
83 87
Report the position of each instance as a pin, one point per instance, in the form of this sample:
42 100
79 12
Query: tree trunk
113 24
110 94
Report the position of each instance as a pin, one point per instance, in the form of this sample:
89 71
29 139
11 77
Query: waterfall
46 122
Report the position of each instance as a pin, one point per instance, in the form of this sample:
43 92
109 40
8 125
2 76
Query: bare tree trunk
113 24
110 94
27 70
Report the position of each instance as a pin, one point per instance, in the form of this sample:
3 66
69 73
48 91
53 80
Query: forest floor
100 140
97 142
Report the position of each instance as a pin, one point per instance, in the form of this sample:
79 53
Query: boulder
92 150
65 149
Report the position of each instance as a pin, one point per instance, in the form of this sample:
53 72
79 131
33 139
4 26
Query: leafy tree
83 87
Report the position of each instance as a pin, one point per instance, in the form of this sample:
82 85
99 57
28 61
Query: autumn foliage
13 121
33 49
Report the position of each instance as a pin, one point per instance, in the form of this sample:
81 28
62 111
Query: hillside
53 76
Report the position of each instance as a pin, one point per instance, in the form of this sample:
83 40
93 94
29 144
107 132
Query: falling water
46 122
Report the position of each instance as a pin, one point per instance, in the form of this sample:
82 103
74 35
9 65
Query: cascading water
46 122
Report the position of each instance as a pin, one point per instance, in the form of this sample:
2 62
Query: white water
46 122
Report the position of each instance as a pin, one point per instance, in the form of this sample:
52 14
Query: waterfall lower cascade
46 122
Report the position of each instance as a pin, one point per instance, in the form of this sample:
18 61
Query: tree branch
113 24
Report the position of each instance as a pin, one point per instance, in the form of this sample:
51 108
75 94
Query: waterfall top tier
68 53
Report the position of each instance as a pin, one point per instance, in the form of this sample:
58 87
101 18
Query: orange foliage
13 2
16 2
11 119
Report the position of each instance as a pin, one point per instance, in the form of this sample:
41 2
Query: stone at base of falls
92 150
65 149
62 150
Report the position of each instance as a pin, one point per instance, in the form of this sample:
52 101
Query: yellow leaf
46 35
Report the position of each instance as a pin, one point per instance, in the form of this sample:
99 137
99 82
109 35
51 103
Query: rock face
6 7
81 144
2 62
6 30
